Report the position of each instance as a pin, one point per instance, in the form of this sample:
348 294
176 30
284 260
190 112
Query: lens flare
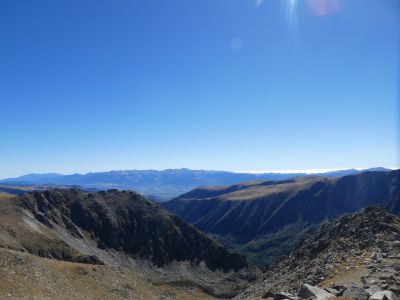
291 13
291 7
324 7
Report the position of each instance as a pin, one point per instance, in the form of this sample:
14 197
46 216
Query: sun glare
291 13
323 7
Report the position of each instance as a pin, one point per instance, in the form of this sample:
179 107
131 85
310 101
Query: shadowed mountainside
126 222
262 215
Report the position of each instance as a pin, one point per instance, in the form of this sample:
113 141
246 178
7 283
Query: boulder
284 295
372 290
356 293
311 292
384 295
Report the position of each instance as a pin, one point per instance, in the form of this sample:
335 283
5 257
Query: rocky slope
258 217
25 276
360 251
120 229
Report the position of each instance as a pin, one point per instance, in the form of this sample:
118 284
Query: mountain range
58 243
266 219
69 244
157 185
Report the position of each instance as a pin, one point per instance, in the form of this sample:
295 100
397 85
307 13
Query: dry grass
258 190
347 273
4 196
25 276
20 188
214 187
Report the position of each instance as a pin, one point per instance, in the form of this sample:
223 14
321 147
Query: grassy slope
4 196
24 274
271 249
259 190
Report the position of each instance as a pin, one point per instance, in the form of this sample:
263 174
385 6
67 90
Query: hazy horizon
291 171
226 85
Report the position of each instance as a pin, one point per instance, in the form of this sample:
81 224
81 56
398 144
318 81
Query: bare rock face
384 295
313 293
356 293
309 292
284 295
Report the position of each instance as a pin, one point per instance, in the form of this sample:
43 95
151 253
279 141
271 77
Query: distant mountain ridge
269 217
158 185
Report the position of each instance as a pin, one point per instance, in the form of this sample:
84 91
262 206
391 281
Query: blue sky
208 84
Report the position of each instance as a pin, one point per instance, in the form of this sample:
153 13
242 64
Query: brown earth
25 276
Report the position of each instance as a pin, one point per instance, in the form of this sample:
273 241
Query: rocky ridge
357 254
126 221
119 229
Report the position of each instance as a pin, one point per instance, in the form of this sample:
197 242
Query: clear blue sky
89 85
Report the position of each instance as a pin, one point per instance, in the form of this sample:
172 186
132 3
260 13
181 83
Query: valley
360 250
260 238
200 150
157 185
266 219
119 229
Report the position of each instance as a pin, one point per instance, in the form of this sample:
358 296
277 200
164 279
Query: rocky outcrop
309 292
354 256
356 293
282 296
384 295
313 293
